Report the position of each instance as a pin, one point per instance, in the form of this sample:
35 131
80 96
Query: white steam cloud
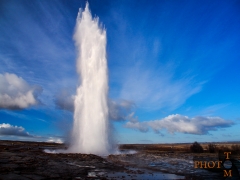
183 124
16 93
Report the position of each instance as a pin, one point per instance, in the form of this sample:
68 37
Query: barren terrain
27 160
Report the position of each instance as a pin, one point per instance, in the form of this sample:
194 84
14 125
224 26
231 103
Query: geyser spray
91 127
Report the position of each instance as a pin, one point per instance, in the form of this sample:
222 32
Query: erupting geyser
91 128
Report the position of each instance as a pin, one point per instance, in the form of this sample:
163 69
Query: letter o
213 163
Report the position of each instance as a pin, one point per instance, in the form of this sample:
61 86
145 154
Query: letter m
227 174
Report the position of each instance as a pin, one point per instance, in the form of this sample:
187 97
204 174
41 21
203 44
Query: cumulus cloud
141 126
16 93
11 132
120 110
183 124
7 129
64 100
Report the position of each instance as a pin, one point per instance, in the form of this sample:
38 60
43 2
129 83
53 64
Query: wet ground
27 160
178 163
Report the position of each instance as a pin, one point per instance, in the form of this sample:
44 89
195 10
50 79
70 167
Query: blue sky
173 69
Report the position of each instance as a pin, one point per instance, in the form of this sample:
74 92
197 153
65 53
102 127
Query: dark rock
12 176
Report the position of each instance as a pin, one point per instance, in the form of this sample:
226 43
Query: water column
90 129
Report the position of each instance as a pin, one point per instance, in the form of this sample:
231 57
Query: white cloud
141 126
64 100
182 124
120 110
16 93
11 132
7 129
55 139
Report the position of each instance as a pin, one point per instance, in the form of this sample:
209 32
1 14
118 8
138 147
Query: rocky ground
27 160
168 162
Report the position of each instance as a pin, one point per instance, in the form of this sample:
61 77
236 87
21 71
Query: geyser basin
91 127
